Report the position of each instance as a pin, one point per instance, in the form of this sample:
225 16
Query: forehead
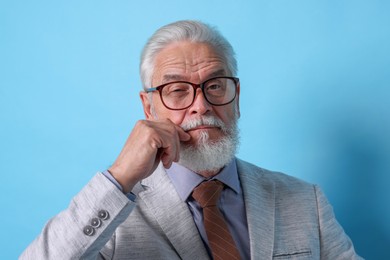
187 61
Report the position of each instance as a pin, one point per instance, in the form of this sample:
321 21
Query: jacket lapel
173 215
259 197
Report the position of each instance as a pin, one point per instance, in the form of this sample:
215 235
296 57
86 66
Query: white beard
208 155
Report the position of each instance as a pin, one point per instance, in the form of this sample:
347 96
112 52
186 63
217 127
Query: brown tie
220 240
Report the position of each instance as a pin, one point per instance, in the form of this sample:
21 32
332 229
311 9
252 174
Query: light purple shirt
231 202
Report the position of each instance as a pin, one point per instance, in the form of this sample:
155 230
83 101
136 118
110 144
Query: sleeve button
89 231
103 214
96 222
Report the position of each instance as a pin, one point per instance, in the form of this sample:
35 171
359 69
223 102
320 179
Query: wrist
126 184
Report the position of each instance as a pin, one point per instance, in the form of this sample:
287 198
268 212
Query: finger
166 157
170 149
179 135
177 142
183 136
173 138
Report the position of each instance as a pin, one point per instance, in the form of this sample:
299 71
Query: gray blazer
287 219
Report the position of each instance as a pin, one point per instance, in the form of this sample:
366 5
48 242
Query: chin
208 155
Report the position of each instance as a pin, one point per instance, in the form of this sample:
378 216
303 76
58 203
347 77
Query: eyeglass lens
217 91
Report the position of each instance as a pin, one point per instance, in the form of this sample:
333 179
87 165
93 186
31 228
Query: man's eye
214 87
178 89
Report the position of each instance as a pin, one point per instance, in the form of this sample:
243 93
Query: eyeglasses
178 95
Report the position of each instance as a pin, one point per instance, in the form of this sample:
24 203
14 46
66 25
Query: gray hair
187 30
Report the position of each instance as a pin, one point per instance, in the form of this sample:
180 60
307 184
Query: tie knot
207 193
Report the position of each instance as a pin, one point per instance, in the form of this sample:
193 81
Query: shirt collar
185 180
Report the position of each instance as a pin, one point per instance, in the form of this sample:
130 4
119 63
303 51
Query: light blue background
314 101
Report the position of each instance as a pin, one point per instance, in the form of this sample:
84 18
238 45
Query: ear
238 100
146 104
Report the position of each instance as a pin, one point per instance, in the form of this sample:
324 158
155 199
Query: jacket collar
173 215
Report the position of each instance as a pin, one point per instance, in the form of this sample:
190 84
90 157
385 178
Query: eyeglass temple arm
150 90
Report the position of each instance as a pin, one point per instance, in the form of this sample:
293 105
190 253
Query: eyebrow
177 77
172 77
217 73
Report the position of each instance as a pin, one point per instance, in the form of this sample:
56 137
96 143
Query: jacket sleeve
81 231
334 242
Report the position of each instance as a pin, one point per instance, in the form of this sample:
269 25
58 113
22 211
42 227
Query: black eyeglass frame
195 86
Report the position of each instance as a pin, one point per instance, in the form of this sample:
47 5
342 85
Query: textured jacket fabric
287 219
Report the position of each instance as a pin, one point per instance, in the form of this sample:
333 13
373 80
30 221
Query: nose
201 105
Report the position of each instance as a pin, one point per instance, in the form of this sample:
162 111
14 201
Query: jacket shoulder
278 178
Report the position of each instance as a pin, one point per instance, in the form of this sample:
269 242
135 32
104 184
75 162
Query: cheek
164 113
177 117
226 114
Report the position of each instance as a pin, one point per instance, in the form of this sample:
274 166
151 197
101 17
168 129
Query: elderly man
176 191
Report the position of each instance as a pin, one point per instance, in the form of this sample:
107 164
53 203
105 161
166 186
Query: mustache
204 121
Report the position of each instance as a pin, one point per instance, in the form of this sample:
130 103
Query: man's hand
150 142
